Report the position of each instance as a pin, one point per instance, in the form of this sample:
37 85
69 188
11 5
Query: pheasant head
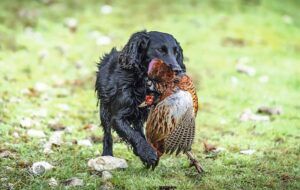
166 82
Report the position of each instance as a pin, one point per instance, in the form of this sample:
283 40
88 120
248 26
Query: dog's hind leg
107 138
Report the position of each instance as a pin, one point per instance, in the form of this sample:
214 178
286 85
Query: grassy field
47 75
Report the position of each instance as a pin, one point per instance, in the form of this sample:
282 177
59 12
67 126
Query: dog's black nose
179 72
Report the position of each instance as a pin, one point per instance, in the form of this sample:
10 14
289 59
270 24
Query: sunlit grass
37 47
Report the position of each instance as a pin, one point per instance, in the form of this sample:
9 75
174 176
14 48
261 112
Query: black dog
121 86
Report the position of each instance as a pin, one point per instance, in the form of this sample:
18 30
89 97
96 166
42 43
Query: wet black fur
121 87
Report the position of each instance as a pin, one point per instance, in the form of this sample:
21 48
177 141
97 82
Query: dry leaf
96 139
230 41
56 126
23 164
269 110
208 147
7 154
90 127
219 149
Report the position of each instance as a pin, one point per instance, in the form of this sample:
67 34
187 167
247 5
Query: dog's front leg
139 126
139 144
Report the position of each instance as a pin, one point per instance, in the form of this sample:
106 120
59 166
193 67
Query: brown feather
170 130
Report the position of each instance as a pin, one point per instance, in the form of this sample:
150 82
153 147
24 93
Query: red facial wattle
149 100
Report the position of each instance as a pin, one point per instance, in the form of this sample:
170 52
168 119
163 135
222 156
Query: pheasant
171 122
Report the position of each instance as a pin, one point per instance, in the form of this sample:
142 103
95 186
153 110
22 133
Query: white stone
63 107
73 182
243 68
219 149
14 100
85 142
263 79
69 129
43 54
287 19
106 9
36 133
47 148
234 80
41 87
16 135
56 138
42 112
52 182
26 122
106 175
247 115
103 40
71 23
104 163
247 152
39 168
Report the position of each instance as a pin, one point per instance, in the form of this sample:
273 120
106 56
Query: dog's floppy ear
179 56
134 51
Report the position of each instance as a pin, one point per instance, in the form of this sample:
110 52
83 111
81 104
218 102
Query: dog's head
143 47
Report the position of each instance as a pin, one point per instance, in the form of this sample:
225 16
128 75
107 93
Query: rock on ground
39 168
104 163
52 182
73 182
106 186
106 175
248 115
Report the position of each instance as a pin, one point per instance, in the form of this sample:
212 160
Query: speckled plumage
171 123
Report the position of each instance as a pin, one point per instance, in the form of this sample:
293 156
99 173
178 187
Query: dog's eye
162 49
175 50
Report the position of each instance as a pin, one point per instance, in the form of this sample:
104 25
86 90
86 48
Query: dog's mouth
156 63
151 65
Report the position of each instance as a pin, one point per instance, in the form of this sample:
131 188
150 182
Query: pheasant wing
181 138
159 123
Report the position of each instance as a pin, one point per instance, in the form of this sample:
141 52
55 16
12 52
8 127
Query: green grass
28 28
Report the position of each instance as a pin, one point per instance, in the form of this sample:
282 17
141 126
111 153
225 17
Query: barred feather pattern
182 137
171 123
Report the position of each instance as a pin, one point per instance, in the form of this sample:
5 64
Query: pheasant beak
143 104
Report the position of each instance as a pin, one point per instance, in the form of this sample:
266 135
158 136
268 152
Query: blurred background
241 54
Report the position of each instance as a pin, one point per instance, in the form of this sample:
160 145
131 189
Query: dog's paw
147 154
